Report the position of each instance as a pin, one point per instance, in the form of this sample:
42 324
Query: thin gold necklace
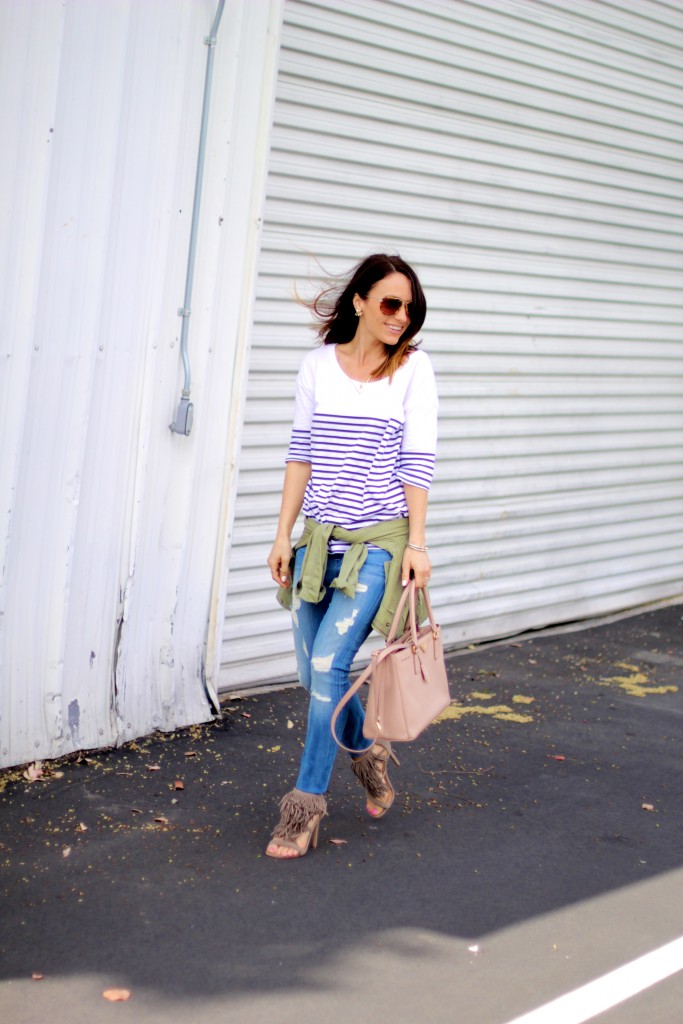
360 384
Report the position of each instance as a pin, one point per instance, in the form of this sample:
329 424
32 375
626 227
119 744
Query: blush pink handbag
407 679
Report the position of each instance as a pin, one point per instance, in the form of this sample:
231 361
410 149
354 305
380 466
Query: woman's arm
297 475
417 561
416 462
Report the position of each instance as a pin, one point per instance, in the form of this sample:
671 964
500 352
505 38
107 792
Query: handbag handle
409 594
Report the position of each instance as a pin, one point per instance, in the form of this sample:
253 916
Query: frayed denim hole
344 625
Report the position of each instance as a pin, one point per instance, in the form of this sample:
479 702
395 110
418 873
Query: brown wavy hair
335 315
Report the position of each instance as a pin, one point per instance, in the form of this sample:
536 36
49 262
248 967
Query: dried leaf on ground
338 842
34 771
36 976
178 784
66 851
153 767
648 807
116 995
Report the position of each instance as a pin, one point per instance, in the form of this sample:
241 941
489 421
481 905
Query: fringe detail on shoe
296 810
370 770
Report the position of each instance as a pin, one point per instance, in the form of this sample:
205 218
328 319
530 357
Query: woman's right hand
278 562
297 475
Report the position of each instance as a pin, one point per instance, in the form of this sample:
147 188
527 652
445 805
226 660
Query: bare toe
281 852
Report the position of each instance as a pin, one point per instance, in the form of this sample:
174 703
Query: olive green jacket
392 536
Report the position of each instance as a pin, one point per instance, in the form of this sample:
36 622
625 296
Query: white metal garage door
526 157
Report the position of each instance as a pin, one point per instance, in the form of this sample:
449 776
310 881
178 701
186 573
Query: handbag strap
353 689
409 594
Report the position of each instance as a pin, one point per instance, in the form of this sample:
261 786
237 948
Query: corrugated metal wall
526 156
112 526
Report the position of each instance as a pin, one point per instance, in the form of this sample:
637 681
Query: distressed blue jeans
327 637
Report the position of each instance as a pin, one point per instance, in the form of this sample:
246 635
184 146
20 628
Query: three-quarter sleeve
418 446
304 407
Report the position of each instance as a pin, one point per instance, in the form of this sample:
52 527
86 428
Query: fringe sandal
371 771
300 815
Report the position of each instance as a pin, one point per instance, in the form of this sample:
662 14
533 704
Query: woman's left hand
419 563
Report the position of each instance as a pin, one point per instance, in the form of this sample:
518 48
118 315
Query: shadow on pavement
558 780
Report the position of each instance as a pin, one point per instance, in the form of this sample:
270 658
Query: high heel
300 816
371 771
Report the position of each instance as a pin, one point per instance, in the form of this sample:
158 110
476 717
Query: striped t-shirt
363 441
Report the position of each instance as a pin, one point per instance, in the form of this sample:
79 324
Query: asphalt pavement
535 845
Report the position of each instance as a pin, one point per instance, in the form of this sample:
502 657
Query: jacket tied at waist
391 536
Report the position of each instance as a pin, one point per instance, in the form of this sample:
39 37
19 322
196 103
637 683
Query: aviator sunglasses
389 307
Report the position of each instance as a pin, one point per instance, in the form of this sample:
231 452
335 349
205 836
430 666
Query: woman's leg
300 812
306 617
306 620
345 624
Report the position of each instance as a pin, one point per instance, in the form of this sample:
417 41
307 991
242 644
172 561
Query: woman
360 464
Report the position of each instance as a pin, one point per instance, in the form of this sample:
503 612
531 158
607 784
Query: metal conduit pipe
184 416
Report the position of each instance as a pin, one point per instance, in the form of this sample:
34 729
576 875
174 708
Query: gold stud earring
359 312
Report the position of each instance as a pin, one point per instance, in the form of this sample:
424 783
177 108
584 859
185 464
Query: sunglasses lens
391 306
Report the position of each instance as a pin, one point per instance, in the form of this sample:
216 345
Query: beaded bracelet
416 547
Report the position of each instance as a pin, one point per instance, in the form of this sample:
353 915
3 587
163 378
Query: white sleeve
420 406
304 407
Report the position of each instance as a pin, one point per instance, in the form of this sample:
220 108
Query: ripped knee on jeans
320 664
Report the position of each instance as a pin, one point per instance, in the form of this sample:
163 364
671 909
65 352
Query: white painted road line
616 987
